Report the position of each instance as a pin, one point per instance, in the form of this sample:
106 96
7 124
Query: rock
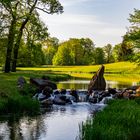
41 83
100 99
63 91
65 99
105 94
126 95
133 88
47 102
21 82
138 90
93 100
74 94
112 90
119 95
47 91
58 101
97 82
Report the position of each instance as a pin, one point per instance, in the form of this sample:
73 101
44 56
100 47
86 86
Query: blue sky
103 21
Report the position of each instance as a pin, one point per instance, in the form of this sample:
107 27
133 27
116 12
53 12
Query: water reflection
83 84
60 124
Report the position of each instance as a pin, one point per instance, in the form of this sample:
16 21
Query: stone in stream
41 83
97 82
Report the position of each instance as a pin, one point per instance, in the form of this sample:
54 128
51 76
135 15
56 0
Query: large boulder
97 82
41 83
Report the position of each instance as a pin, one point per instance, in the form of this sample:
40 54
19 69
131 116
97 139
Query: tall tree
108 53
34 32
49 7
117 53
133 35
63 57
14 9
10 8
99 56
76 51
88 47
126 49
50 49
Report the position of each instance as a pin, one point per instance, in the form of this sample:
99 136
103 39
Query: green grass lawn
120 67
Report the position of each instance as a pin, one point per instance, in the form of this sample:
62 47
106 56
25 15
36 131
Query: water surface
57 122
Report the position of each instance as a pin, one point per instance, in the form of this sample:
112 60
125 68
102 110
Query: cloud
67 26
71 19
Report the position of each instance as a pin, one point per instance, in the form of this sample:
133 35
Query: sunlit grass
111 77
120 67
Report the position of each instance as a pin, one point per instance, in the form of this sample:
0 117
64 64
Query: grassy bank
114 68
121 71
12 101
119 120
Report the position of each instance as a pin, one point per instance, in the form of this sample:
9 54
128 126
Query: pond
56 122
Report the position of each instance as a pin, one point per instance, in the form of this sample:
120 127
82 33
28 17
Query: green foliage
108 53
133 37
99 56
3 42
126 50
50 50
62 57
31 56
119 120
116 52
49 54
27 26
74 52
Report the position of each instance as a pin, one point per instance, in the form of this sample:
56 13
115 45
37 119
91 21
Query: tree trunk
17 45
16 48
10 45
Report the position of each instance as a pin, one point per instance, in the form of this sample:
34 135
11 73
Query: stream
57 122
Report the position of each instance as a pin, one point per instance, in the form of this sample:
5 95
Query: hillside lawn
113 68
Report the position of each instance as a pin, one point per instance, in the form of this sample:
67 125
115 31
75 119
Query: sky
103 21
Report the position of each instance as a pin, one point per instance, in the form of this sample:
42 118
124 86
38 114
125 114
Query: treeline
25 41
83 52
72 52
